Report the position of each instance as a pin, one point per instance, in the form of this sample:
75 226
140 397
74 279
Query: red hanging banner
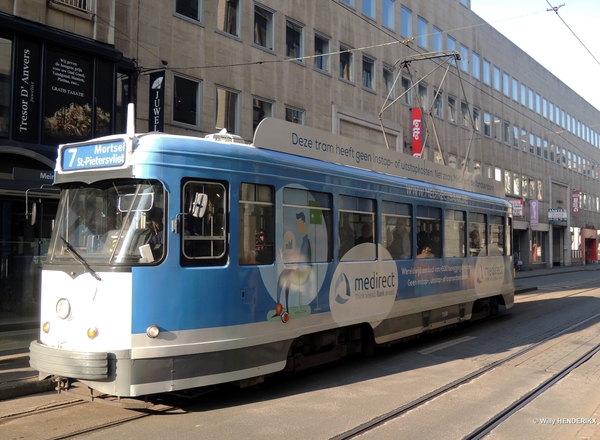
417 132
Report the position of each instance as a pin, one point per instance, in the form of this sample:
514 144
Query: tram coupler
62 384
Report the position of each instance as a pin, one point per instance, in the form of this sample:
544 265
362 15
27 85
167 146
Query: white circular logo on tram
363 290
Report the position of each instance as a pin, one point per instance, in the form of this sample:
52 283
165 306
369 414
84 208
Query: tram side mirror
199 205
33 213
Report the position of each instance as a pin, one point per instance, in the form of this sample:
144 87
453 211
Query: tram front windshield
109 222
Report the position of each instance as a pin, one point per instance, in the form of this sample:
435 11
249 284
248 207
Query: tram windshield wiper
79 258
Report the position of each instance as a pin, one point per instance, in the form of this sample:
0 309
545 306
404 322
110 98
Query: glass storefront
23 247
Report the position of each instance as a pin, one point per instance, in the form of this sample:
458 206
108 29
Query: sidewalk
18 379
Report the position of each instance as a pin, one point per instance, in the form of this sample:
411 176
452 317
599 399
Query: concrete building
196 66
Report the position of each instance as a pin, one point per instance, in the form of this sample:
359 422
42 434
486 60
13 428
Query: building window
261 109
423 96
228 16
506 84
226 111
498 174
464 113
531 100
545 108
294 47
452 109
538 146
497 129
476 119
322 49
497 79
516 136
451 46
294 115
423 33
487 124
524 140
487 73
531 143
186 100
263 27
438 40
188 8
475 65
524 95
368 8
487 171
349 3
388 81
540 190
515 90
438 104
464 58
388 14
538 104
506 132
524 186
346 63
406 22
368 72
407 90
507 182
81 5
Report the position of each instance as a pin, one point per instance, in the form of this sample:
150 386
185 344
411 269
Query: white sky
543 35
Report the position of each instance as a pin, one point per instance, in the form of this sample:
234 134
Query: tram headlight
92 332
63 308
46 327
152 331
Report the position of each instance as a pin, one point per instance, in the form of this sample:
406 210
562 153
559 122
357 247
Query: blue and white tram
179 262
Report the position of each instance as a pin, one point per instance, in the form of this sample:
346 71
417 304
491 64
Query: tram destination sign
93 156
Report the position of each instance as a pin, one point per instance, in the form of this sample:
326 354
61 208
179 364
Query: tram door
23 247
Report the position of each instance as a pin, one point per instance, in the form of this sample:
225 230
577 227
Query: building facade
192 67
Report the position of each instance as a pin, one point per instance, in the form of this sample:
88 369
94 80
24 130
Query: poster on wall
67 98
27 92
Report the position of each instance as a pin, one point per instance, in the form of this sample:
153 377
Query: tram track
486 427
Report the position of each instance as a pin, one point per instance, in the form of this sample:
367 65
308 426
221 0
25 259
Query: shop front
55 88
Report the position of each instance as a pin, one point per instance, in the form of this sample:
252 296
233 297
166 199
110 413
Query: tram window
396 229
356 220
455 232
204 235
496 246
306 233
429 235
477 234
257 224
